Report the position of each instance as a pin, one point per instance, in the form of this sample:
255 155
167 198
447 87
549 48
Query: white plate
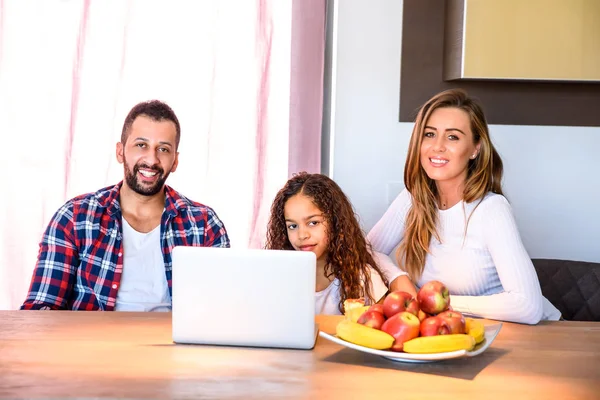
491 331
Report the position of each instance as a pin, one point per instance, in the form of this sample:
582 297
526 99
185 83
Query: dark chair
572 286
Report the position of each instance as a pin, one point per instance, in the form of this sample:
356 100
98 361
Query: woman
452 222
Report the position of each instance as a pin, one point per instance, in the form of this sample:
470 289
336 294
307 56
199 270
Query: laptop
244 297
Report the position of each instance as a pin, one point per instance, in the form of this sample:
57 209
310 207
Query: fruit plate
491 331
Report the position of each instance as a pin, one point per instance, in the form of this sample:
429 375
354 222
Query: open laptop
244 297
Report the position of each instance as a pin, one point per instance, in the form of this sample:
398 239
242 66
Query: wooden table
62 354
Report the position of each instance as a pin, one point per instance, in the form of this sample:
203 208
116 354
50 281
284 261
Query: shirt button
114 286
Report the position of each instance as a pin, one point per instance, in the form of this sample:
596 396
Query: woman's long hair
348 253
484 174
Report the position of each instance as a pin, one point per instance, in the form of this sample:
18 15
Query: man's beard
142 188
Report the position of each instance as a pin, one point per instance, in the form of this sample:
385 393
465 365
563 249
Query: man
111 250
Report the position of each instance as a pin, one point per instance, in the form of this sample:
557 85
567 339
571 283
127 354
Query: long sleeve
54 274
215 232
389 230
522 300
387 266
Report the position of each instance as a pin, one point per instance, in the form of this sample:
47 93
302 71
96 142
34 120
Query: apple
454 320
434 326
377 307
372 319
433 297
413 307
403 326
422 315
399 301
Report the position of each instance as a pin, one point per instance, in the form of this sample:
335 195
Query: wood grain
64 354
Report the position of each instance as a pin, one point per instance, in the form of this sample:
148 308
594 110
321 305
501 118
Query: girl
452 222
311 213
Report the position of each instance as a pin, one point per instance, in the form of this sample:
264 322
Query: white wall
551 176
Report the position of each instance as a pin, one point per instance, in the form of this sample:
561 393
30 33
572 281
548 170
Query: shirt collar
110 200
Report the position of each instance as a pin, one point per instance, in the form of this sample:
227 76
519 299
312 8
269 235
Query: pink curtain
306 88
245 79
307 44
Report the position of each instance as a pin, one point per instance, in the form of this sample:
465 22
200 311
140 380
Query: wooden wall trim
505 102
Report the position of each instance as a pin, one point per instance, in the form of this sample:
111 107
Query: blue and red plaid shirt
80 261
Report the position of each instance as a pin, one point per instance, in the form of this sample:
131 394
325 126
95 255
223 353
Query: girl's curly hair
348 253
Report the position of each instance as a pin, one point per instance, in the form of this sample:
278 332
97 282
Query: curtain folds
244 78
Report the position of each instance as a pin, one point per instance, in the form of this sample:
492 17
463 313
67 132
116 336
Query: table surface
65 354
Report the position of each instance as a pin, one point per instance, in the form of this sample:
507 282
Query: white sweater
488 272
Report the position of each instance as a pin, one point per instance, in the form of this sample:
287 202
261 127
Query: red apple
454 320
372 319
413 307
399 301
433 326
422 315
402 326
377 307
433 297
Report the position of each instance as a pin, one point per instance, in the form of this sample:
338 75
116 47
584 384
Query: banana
354 308
363 335
439 343
353 314
475 328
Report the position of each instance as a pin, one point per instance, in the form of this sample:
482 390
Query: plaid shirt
80 261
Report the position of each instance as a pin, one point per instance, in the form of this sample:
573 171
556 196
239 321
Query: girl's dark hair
348 253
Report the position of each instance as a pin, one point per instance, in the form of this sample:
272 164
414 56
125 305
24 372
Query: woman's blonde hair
484 174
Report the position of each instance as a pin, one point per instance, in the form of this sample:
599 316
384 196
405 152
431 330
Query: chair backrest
572 286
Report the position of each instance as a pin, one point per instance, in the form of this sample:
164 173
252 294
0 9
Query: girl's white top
327 301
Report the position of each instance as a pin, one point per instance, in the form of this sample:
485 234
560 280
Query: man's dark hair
154 109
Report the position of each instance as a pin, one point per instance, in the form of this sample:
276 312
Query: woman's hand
404 284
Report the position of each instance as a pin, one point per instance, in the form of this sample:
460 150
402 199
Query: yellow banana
363 335
353 314
439 343
475 328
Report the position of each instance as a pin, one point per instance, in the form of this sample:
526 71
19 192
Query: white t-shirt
488 272
144 284
327 301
